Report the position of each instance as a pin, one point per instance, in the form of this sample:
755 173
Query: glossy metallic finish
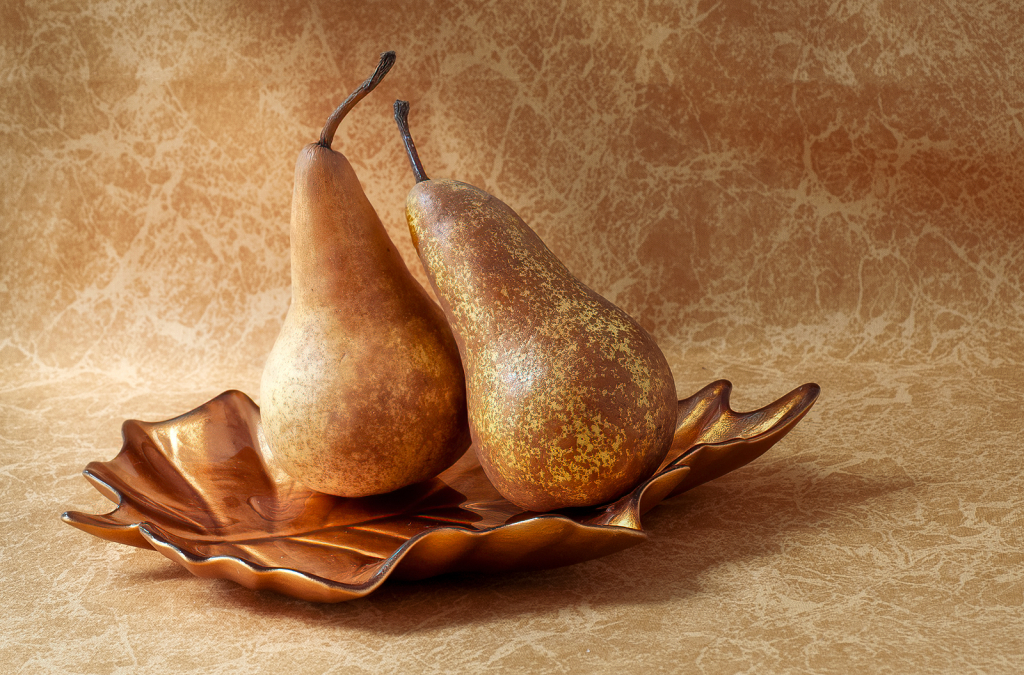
202 490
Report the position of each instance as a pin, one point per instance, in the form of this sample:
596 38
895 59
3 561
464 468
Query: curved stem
402 118
387 59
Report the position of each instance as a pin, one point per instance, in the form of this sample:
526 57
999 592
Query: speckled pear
571 402
363 392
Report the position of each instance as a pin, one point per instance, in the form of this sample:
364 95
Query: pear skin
571 402
363 392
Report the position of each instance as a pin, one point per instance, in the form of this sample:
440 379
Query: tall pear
363 392
571 402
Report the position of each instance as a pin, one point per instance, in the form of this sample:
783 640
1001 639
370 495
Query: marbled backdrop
780 192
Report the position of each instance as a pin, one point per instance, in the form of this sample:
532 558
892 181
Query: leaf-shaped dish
203 490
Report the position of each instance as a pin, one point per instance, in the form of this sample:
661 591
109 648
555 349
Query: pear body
571 402
363 391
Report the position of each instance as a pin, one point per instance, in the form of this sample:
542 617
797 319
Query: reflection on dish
203 490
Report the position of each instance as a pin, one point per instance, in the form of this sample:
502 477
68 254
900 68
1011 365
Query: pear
363 392
571 402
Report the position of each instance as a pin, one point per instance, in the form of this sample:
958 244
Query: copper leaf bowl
203 490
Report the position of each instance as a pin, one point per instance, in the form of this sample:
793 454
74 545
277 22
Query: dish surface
204 490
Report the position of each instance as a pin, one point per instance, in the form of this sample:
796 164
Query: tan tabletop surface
780 192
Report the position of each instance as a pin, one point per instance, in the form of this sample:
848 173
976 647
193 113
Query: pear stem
387 59
402 118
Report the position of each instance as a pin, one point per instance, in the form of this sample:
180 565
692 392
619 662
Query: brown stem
402 117
387 59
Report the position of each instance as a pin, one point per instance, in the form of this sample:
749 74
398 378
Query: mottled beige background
781 192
